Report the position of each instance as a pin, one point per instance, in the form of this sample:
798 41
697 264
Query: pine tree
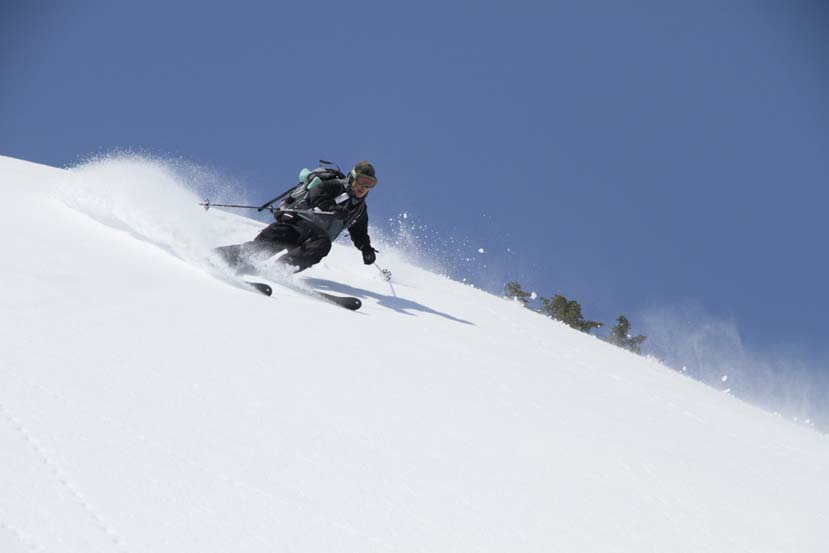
567 311
514 291
554 307
620 336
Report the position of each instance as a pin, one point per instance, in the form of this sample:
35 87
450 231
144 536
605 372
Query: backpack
309 179
300 190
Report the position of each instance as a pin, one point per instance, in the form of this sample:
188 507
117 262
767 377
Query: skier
311 217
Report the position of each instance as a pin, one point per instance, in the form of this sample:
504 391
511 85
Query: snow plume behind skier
152 198
309 219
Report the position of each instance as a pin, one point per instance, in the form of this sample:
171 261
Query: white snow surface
148 404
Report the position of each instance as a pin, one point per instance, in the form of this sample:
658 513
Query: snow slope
149 405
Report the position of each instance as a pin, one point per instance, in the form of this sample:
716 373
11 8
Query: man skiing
310 218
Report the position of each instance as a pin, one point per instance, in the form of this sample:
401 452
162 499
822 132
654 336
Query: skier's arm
359 231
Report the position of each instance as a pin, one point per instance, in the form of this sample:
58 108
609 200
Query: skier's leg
308 253
272 240
278 236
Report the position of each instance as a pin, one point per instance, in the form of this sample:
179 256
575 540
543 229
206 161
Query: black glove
369 254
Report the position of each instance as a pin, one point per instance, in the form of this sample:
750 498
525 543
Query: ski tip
347 302
261 287
352 304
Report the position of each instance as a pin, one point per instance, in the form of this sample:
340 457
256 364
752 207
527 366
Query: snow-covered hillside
148 404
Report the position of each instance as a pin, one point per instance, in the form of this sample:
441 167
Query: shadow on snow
395 303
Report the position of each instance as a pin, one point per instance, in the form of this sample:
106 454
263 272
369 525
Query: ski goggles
363 181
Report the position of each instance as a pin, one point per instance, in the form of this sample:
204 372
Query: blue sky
631 155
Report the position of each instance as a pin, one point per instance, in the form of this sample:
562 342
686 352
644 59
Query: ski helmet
363 174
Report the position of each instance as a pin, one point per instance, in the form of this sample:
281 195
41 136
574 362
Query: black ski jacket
344 211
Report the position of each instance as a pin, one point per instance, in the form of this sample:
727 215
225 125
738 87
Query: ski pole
268 204
207 205
386 272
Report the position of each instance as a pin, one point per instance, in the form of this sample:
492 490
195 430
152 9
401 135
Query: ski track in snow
62 477
285 496
28 542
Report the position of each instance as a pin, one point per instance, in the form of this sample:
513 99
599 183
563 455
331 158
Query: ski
348 302
260 287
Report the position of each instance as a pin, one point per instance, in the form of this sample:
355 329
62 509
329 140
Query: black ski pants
306 246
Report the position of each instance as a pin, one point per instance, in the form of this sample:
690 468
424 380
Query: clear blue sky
629 154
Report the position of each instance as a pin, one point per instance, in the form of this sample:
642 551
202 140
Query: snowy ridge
147 404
